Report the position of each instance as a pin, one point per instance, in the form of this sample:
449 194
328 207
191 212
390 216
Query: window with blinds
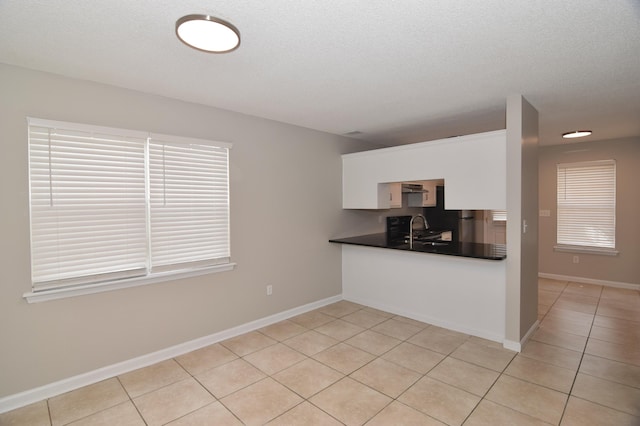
499 215
110 204
189 203
587 205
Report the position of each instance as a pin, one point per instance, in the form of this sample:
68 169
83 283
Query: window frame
584 248
75 287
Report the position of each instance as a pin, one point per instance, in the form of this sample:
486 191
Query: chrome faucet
426 226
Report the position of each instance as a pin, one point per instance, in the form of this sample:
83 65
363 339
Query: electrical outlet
269 290
576 259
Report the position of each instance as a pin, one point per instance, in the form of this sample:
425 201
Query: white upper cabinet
473 168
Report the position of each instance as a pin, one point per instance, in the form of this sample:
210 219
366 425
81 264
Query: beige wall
285 205
522 179
624 268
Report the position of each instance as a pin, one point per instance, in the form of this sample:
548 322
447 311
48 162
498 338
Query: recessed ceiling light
206 33
576 134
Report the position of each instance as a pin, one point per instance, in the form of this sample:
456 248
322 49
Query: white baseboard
618 284
517 346
428 320
21 399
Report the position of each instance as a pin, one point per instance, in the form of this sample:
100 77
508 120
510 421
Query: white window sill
63 293
586 250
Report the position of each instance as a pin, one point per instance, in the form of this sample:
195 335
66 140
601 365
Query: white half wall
458 293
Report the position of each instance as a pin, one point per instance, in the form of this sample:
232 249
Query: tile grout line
601 357
425 375
503 373
564 410
446 356
483 398
49 412
449 355
206 389
380 357
422 375
349 375
308 400
307 357
132 401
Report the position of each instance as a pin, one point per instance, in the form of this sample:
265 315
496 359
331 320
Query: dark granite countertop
475 250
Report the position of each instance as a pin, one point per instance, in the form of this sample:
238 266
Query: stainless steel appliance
466 226
460 222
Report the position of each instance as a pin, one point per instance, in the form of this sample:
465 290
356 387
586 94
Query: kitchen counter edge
472 250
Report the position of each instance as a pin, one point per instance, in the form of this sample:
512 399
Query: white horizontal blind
499 215
189 203
108 204
87 193
587 204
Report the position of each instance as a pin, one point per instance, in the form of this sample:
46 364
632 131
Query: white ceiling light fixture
207 33
577 134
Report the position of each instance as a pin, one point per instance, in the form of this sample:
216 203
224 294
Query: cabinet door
395 195
429 196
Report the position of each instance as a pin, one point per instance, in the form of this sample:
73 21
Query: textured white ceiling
397 71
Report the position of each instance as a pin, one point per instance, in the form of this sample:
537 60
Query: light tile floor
350 364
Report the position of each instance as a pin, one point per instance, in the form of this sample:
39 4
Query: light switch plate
545 213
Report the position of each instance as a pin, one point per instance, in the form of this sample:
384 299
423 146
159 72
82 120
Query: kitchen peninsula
494 299
459 286
455 285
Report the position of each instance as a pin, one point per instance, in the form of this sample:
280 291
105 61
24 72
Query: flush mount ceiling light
576 134
206 33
